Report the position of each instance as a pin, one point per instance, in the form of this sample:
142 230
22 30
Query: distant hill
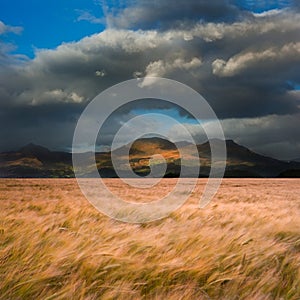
35 161
290 174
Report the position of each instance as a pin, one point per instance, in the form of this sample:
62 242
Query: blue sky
47 24
259 6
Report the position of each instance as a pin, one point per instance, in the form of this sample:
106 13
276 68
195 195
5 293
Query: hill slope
38 162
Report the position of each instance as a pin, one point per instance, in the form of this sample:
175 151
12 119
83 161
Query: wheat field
244 245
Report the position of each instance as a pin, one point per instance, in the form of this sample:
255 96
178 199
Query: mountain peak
163 143
230 141
217 141
33 149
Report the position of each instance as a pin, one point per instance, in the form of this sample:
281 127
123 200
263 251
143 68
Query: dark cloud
272 135
51 125
245 65
145 14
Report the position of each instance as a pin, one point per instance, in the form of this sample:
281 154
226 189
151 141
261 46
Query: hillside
35 161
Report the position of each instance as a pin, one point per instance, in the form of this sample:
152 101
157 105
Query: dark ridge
37 161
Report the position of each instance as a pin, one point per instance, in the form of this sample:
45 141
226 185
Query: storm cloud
246 65
162 15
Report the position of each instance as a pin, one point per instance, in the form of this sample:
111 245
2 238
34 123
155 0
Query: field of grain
244 245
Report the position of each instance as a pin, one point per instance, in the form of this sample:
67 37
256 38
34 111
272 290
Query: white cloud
137 74
250 59
268 13
6 28
56 95
87 16
100 73
160 68
281 22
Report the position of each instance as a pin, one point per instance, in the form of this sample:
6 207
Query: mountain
240 158
293 173
35 161
141 152
39 162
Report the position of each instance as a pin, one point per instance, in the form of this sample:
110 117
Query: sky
242 56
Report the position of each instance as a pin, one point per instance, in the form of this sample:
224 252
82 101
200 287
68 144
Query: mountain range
33 161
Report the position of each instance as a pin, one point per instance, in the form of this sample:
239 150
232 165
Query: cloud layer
246 65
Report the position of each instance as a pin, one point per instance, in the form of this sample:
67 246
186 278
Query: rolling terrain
34 161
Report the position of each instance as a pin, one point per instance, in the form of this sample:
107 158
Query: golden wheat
244 245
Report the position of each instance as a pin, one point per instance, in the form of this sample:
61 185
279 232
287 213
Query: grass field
244 245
